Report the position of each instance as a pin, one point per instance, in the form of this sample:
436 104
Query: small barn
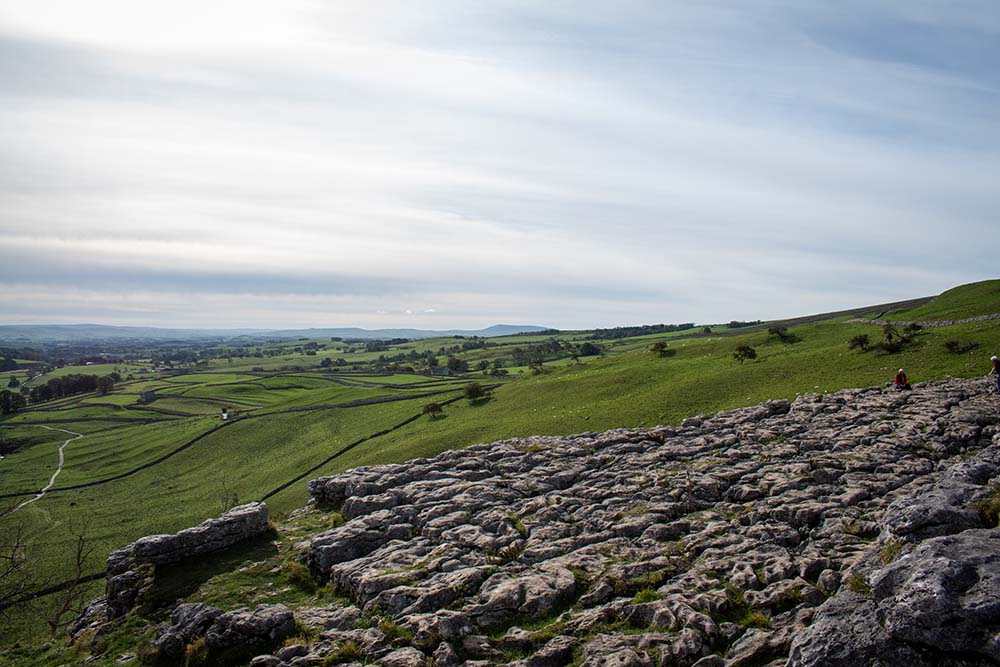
147 396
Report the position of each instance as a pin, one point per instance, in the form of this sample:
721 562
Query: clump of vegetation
660 349
646 595
432 410
744 353
196 653
960 347
893 341
860 342
349 651
989 506
475 393
782 334
518 525
507 554
858 584
890 551
395 633
299 576
739 611
755 619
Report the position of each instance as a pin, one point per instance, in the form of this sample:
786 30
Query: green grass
981 298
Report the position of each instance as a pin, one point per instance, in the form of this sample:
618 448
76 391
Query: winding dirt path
59 467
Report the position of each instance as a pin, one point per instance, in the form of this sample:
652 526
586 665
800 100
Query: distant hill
46 333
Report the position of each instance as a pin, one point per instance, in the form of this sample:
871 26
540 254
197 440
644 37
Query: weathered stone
188 622
129 571
244 628
404 657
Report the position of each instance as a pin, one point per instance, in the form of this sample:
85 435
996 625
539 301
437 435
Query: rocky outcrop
929 593
129 572
227 635
721 542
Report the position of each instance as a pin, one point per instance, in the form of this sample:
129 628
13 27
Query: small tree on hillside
456 365
105 384
475 392
660 349
859 342
744 353
433 410
781 333
960 347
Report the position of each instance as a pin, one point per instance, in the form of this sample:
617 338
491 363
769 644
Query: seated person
902 382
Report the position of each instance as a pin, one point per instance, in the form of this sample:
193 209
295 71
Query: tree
433 410
484 364
73 596
326 363
105 384
456 365
707 330
781 333
859 342
892 340
660 349
13 383
11 402
16 580
588 349
960 347
475 392
744 353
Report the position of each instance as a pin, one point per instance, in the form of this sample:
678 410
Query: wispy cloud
571 164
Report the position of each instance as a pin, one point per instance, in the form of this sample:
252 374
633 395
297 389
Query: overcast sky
448 163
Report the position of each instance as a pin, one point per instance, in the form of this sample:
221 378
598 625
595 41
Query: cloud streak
291 164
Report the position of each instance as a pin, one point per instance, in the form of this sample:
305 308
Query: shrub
349 651
433 410
299 576
890 552
960 347
394 632
744 353
860 342
196 653
646 595
474 392
989 506
858 584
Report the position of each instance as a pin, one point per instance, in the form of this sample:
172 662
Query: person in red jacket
902 382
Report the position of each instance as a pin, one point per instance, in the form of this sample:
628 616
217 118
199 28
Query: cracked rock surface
723 541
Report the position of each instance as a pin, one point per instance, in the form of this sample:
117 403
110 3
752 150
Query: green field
290 421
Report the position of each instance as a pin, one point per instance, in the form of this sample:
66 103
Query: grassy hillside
244 459
970 300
